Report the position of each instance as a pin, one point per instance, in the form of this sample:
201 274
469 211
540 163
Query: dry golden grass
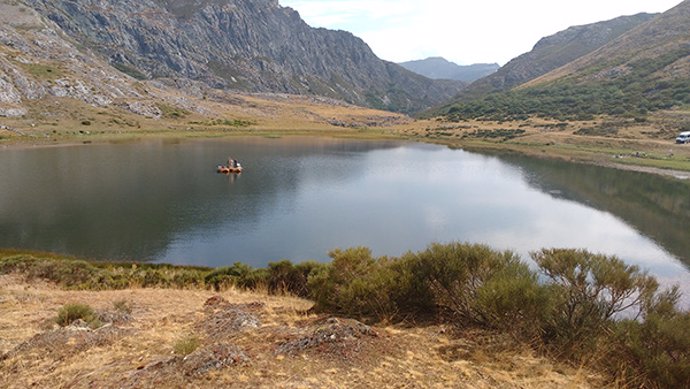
140 352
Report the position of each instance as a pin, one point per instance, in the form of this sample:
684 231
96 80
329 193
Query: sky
465 32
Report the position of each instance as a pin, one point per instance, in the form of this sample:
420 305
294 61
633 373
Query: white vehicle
684 137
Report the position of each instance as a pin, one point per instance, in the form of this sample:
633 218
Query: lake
299 198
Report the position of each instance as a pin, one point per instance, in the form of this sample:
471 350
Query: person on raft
233 163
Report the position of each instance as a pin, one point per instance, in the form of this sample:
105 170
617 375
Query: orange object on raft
227 169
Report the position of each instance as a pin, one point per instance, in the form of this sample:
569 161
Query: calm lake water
299 198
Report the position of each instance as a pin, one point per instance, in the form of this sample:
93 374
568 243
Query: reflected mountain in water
658 207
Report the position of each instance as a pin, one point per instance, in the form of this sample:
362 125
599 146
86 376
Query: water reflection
299 198
655 206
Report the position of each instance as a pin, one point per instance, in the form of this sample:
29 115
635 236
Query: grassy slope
56 121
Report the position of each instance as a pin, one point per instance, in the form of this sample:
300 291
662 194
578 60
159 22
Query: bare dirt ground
245 340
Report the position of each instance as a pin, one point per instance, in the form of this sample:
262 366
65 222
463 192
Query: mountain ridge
554 51
249 46
642 69
441 68
638 44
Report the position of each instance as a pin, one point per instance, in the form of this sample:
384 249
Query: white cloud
462 31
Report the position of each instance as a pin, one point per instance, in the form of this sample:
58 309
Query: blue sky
461 31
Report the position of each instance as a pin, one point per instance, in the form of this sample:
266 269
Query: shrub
186 345
454 275
72 312
74 274
284 277
224 277
465 284
513 300
655 352
589 290
122 306
355 284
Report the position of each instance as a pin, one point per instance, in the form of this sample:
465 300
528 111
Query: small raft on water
228 169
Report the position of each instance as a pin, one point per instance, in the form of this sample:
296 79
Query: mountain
241 45
644 69
438 68
555 51
39 63
655 51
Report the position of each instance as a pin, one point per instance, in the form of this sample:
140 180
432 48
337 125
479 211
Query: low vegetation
501 133
70 313
574 102
172 112
582 308
44 71
225 123
186 345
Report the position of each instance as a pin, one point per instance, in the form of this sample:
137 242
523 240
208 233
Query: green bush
71 312
589 290
355 284
454 275
186 345
285 277
654 352
236 275
466 284
513 300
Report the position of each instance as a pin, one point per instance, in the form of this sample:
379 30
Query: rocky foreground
185 338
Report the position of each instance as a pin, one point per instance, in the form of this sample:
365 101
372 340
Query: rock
143 109
42 61
224 320
12 111
343 334
213 357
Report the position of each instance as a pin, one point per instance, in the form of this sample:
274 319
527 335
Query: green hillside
644 70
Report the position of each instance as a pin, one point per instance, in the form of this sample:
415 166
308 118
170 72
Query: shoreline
565 152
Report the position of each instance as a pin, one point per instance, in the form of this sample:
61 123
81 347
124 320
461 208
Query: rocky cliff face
37 61
244 45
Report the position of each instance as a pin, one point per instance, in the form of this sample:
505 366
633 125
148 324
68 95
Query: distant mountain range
626 66
439 68
241 45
